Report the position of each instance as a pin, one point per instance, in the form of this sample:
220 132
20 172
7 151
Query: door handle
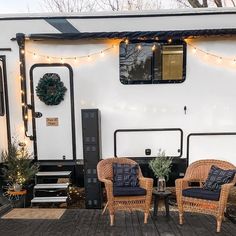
38 114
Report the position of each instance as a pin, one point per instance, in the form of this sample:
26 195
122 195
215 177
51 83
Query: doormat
34 214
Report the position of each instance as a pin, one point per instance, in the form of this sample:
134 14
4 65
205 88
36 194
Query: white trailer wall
208 92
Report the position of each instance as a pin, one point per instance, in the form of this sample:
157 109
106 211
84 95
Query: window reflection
151 62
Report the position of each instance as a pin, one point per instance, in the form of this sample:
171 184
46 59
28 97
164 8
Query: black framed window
2 109
151 62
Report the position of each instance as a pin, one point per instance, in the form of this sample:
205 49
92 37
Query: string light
169 40
219 59
126 41
154 47
22 51
194 50
74 58
139 47
48 59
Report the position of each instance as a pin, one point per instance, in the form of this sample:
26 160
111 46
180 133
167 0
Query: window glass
2 111
152 62
135 63
172 62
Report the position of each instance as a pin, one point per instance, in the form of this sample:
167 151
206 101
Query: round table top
14 193
161 194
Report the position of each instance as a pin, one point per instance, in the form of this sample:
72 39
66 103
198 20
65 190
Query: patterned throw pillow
217 177
125 175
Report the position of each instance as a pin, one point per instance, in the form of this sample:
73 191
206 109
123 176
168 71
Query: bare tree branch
233 3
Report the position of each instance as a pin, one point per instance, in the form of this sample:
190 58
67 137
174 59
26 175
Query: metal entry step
49 199
53 173
51 186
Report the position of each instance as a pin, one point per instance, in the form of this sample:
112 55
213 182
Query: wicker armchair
198 172
114 203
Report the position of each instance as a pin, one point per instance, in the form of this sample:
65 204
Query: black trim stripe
5 49
63 25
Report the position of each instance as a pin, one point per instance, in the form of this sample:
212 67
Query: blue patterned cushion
217 177
128 191
202 194
125 175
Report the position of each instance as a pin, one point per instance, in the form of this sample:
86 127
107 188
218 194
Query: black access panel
91 123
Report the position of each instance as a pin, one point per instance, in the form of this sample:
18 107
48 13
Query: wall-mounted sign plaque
52 121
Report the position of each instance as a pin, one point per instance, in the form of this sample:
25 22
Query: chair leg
104 209
219 222
181 218
112 220
145 218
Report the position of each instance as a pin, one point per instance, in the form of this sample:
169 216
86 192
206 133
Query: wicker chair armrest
225 188
107 182
181 184
146 183
109 188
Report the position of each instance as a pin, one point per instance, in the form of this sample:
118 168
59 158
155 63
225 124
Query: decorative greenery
51 89
18 167
161 165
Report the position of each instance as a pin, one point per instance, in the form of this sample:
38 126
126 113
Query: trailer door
53 125
3 118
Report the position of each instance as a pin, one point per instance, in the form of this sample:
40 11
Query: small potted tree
161 167
18 168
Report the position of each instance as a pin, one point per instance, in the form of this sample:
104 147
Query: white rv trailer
161 80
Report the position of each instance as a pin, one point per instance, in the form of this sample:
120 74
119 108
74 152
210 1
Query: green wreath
51 89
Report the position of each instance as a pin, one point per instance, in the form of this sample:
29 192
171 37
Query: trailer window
152 62
2 111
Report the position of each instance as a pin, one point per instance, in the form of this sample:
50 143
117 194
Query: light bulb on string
169 40
194 50
154 47
126 41
139 47
219 60
22 51
48 59
234 62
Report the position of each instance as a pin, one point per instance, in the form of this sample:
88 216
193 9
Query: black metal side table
160 195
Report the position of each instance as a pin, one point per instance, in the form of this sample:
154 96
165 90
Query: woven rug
34 213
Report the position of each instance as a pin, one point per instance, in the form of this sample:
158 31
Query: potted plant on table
18 168
161 167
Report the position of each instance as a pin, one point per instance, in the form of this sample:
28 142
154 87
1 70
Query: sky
29 6
20 6
32 6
